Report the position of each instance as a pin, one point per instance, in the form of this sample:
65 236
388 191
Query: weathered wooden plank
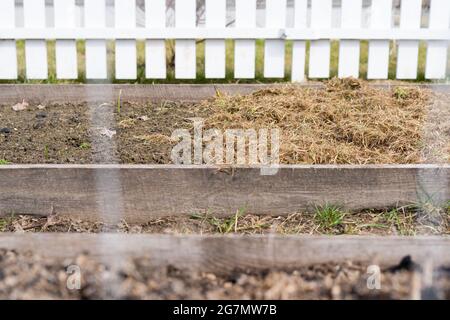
228 253
12 93
165 190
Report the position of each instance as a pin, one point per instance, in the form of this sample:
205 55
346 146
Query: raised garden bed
377 156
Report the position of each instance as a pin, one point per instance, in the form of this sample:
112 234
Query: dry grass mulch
348 122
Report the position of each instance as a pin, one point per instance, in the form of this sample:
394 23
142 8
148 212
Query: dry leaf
20 106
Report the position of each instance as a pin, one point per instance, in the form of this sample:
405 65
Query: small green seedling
46 152
119 101
329 216
223 225
4 162
85 145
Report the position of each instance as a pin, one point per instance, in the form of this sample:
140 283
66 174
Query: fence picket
245 35
185 50
408 50
96 54
8 52
126 58
349 49
274 51
215 49
35 50
155 50
244 50
378 64
66 50
299 47
319 53
437 50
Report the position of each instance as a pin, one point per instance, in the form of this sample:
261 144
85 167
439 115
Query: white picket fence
244 33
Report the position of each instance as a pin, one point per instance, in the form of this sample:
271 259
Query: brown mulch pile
27 276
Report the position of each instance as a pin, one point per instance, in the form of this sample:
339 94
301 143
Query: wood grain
73 93
228 253
144 191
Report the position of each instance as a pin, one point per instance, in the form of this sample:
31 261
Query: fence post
185 50
155 50
319 53
244 50
299 47
274 51
378 58
126 59
35 50
437 50
349 49
66 50
408 50
96 55
215 60
8 52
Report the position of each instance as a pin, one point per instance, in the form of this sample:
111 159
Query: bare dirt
349 122
400 221
27 276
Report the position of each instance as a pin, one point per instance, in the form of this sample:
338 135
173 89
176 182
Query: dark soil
26 276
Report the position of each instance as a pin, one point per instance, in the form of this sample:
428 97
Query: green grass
85 145
4 162
222 225
402 221
6 222
329 217
259 78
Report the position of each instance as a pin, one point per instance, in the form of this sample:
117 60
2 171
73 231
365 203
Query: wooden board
14 93
143 191
228 253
